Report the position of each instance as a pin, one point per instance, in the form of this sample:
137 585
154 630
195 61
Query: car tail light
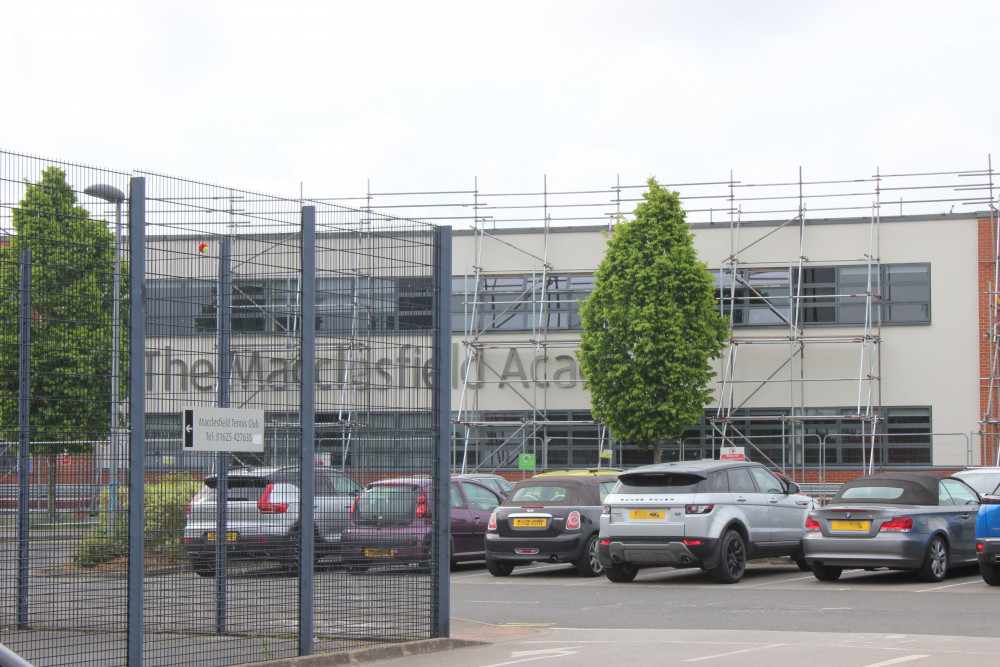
605 542
265 505
188 510
573 521
492 525
991 500
698 509
606 509
901 524
812 524
354 506
423 511
979 547
692 543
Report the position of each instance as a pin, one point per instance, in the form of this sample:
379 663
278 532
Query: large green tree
71 320
650 328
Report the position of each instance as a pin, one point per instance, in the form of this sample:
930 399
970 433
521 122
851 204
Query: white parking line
724 655
896 661
937 588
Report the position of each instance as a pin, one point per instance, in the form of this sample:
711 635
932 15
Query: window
740 481
766 482
958 493
829 295
480 498
521 302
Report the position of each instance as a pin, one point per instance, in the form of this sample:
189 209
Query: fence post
223 331
441 412
24 441
307 411
137 416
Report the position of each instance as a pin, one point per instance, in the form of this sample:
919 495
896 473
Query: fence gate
196 383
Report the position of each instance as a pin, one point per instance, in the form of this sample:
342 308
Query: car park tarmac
547 615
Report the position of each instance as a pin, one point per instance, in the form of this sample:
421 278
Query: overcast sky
431 95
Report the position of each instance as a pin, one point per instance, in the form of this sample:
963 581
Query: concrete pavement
478 645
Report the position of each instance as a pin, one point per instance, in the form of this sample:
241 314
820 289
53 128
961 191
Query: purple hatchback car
391 522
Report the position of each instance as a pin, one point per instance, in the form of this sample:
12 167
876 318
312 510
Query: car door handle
802 502
965 516
773 501
741 500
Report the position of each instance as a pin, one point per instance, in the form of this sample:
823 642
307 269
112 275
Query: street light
113 195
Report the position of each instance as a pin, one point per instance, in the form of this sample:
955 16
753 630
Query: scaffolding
755 214
790 306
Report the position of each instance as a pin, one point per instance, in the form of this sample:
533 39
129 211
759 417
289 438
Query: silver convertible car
901 521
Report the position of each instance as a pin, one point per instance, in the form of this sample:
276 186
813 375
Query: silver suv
709 514
262 516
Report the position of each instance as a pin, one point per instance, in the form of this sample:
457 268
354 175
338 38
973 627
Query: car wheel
826 572
991 573
499 568
935 566
800 560
203 566
621 573
589 564
732 558
289 561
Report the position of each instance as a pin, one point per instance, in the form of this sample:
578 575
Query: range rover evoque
715 515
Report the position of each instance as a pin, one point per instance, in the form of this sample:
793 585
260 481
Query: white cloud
432 95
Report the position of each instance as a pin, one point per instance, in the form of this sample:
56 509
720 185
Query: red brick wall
986 259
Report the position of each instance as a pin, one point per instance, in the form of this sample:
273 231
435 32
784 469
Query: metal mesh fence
285 356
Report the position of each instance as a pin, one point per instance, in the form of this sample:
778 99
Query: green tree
650 328
71 321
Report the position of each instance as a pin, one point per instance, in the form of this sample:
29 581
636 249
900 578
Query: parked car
917 521
988 537
262 523
982 479
715 515
391 522
496 482
551 517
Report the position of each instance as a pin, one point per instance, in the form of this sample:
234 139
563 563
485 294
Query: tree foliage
71 317
650 328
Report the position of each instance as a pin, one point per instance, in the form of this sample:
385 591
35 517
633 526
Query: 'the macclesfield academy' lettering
169 370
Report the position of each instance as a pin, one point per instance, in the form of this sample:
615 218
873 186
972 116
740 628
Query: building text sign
223 429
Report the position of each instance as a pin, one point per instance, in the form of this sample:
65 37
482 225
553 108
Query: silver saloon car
917 521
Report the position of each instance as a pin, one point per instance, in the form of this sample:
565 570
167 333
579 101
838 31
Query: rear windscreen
238 488
386 505
885 493
552 495
668 481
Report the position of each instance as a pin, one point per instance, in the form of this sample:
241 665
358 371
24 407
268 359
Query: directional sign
526 462
223 430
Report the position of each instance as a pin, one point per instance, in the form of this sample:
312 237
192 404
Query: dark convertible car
554 517
902 521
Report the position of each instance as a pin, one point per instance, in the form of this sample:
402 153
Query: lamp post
113 195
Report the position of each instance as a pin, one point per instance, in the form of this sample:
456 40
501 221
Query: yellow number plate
647 514
850 525
230 536
530 523
378 553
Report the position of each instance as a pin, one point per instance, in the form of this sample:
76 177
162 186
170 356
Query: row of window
895 294
904 439
344 305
